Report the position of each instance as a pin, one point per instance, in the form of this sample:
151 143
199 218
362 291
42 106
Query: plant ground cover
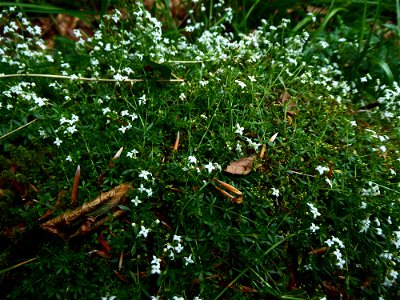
307 117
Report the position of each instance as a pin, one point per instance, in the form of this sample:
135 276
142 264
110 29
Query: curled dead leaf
241 166
272 139
238 195
319 251
89 216
285 96
176 144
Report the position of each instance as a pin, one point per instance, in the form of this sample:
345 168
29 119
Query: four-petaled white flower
188 260
143 231
313 228
210 167
252 78
239 130
177 238
314 210
136 201
192 159
241 84
178 248
144 174
322 169
58 142
275 192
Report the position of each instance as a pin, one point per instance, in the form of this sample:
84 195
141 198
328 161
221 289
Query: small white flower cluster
23 91
390 100
21 50
331 242
373 190
313 228
239 130
155 265
314 210
391 278
175 248
396 239
191 164
71 129
365 224
148 191
322 170
380 138
176 240
132 154
252 144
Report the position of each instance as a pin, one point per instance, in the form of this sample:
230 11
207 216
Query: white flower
132 154
136 201
154 298
192 159
322 169
329 182
363 205
109 298
365 225
188 260
149 192
239 130
313 228
142 100
106 110
177 238
57 142
241 84
252 78
329 242
210 167
143 231
314 210
178 248
141 188
177 298
203 82
71 129
144 174
182 96
353 123
275 192
69 158
155 265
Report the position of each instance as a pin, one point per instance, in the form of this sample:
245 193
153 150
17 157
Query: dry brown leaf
241 166
176 144
238 195
285 96
63 225
272 139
